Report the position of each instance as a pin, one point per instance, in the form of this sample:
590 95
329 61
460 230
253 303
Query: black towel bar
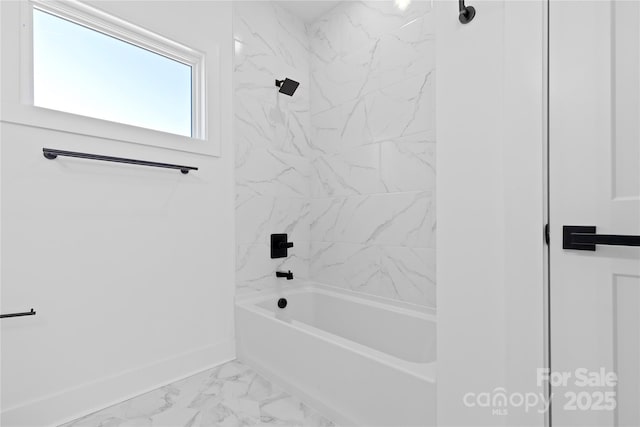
26 313
51 153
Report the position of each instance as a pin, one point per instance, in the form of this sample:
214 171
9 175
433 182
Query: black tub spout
288 275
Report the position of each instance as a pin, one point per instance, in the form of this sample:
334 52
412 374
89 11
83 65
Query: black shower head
287 86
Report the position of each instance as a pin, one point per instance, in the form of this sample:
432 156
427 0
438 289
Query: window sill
72 123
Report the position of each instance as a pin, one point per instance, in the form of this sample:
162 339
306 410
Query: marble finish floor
229 395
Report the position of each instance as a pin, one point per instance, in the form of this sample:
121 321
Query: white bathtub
360 360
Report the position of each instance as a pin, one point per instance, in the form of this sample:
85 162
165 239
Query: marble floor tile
231 394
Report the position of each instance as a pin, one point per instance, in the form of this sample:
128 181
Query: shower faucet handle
280 245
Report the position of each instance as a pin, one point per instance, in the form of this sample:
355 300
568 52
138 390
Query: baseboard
85 399
339 418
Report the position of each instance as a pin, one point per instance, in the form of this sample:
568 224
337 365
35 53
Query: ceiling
308 10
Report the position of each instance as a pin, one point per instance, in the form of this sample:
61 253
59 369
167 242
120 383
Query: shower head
287 86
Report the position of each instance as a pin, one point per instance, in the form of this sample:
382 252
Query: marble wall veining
272 135
373 150
347 165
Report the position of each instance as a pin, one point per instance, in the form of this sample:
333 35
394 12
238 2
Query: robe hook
467 13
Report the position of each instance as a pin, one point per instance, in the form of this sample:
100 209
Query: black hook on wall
467 13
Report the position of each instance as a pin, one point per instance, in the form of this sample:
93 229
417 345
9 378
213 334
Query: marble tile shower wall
272 140
346 166
373 151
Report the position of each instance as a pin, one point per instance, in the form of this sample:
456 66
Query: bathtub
359 360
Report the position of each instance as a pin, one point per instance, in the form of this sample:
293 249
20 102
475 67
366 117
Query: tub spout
288 275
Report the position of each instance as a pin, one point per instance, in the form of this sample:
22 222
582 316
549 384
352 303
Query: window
108 73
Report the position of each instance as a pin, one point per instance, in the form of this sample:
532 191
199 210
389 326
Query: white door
594 152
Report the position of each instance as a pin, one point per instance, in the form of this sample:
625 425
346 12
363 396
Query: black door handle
584 238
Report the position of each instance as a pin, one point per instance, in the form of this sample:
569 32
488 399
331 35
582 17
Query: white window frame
23 110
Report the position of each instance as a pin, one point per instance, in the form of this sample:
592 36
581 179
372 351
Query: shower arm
466 13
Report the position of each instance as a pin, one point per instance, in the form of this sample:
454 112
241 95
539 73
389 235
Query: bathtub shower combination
335 223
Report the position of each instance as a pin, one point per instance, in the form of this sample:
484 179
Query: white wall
490 132
130 268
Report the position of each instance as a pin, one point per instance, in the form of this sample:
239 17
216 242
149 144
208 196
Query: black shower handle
280 245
